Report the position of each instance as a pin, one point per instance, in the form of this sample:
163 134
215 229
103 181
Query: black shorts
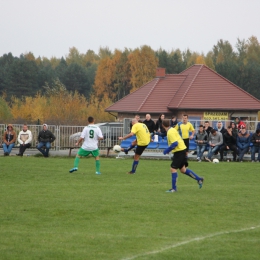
139 149
179 160
187 143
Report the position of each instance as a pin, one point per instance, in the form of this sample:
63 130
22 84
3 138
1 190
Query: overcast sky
50 27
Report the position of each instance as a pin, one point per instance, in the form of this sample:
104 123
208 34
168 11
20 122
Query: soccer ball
215 160
117 148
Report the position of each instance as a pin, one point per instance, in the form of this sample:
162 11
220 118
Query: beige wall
191 113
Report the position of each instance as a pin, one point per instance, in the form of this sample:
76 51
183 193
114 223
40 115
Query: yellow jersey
184 129
142 134
173 136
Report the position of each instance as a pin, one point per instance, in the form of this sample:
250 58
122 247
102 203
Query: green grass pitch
48 213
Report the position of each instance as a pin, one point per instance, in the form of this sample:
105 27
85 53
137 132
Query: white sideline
190 241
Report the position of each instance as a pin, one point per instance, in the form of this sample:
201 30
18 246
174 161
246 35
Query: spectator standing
207 127
45 138
234 128
177 147
9 139
229 143
91 134
256 145
159 128
149 123
201 139
24 139
243 143
215 141
240 124
220 128
184 128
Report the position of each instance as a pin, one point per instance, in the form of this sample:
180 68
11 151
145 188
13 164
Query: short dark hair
206 121
185 115
201 126
90 119
213 131
166 122
229 127
257 131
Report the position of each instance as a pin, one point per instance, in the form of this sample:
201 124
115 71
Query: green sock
76 161
97 165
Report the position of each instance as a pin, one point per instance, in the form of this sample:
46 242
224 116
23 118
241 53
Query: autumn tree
143 63
5 111
74 56
113 76
104 78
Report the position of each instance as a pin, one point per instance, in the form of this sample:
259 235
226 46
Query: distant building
198 91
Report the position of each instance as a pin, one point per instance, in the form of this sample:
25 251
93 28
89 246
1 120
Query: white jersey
91 133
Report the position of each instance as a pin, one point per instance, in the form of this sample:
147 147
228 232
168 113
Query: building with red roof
198 91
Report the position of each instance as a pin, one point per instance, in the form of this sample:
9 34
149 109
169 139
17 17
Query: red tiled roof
198 87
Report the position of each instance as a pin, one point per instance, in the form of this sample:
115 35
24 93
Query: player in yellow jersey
179 161
143 139
184 128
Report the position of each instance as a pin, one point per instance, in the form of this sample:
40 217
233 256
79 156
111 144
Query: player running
143 139
179 160
91 134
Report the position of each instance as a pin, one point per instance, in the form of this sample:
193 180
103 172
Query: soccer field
48 213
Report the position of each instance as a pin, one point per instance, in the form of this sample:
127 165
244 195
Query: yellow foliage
105 77
62 108
29 56
143 64
200 60
54 62
192 59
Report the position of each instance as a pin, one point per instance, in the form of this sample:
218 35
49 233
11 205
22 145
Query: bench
152 145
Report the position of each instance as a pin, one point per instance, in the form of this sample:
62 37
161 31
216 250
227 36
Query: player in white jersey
91 134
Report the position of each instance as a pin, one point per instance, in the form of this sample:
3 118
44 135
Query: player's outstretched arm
170 148
125 137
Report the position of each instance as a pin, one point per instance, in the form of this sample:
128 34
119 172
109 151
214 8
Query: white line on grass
190 241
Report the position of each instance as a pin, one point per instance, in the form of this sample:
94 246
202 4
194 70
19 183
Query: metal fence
67 136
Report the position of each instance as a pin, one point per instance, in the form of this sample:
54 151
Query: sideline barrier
66 137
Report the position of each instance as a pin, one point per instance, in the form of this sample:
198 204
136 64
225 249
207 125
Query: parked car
110 130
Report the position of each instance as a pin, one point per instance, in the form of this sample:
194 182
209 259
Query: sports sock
192 174
130 147
76 162
134 166
97 165
174 180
